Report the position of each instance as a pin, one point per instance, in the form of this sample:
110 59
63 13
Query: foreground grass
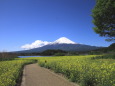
10 71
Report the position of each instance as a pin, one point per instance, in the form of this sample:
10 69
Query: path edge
23 78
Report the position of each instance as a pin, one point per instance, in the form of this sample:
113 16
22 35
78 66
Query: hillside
109 49
65 47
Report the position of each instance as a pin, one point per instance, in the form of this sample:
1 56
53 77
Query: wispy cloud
36 44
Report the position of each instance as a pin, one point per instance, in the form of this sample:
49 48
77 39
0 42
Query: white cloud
36 44
39 43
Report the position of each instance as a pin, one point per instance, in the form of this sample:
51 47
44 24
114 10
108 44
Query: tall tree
104 18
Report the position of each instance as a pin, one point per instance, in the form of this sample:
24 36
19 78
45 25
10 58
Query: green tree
104 18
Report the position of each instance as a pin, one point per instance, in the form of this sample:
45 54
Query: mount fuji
63 40
62 43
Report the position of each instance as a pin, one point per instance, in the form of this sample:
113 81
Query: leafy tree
104 18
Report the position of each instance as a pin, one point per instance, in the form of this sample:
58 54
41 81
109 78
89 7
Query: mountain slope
62 43
65 47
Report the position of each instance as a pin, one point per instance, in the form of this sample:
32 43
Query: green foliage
112 46
104 18
83 69
53 52
59 54
7 56
105 50
106 56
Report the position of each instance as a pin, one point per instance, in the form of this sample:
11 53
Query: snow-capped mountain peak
63 40
39 43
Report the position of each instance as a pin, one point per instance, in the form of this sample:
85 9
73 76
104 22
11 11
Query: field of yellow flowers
83 69
10 71
86 70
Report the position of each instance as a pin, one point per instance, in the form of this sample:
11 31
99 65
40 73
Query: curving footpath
35 75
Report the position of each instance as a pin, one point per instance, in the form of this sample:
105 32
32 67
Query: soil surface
34 75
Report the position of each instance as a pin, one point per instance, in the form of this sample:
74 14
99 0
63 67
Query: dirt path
35 75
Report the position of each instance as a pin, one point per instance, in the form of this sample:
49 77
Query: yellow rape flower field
84 70
10 71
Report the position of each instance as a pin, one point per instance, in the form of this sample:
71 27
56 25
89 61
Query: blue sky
25 21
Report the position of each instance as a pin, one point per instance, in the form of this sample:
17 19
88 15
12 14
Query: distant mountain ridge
40 43
65 47
62 43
